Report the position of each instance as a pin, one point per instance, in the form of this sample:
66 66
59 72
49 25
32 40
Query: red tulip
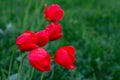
54 31
53 13
65 57
42 38
40 59
26 41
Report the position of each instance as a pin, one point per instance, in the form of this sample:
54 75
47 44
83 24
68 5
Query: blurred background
91 26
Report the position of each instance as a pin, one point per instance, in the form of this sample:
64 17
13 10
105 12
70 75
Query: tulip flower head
26 41
65 57
40 59
54 31
42 37
53 13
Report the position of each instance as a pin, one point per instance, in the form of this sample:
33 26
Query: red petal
42 38
72 66
58 15
50 28
56 36
69 49
27 46
24 37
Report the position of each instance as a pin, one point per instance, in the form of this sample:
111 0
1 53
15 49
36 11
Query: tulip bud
42 38
54 31
53 13
26 41
65 57
40 59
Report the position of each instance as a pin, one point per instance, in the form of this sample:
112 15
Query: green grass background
91 26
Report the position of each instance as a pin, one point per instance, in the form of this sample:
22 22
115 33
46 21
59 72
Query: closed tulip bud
54 31
42 37
26 41
40 59
53 13
65 57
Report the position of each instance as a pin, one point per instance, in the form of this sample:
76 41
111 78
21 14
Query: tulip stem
11 62
25 26
21 65
32 73
42 75
72 74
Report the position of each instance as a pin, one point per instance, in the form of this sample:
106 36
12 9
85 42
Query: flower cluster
38 57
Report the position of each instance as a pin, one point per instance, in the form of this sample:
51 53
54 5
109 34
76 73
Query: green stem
11 62
38 10
35 15
27 74
20 67
52 73
32 74
40 20
72 74
26 15
42 76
